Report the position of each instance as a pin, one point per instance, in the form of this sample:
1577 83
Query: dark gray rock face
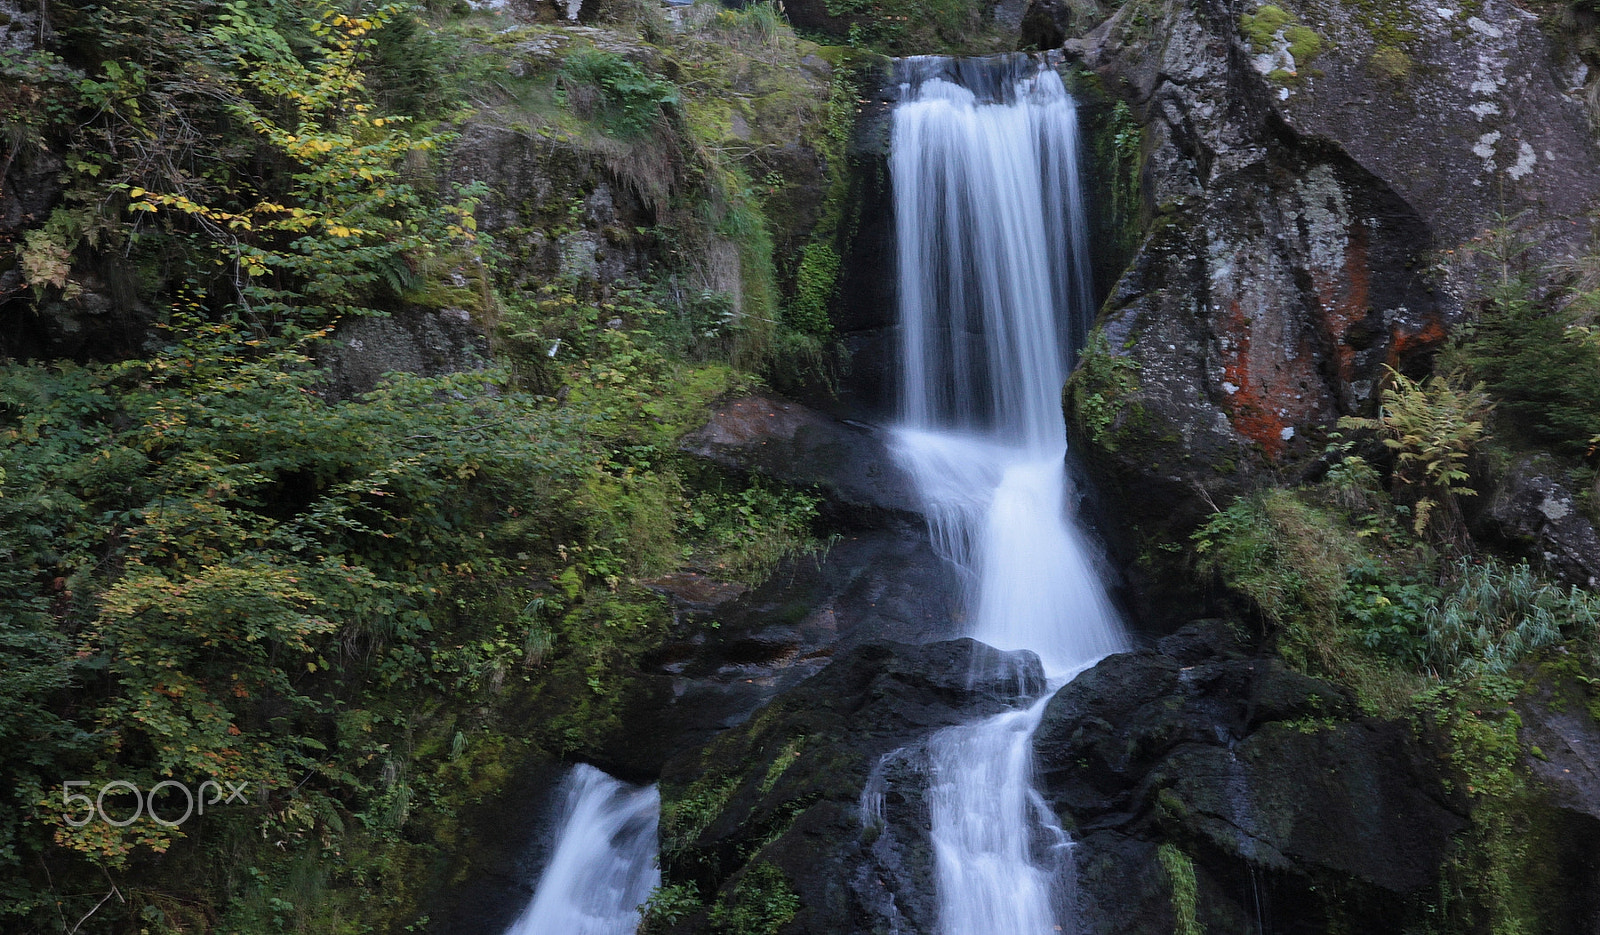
1535 513
1302 208
787 788
792 443
537 186
1297 814
1567 736
871 585
362 350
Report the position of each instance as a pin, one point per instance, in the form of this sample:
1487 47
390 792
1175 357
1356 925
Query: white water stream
603 865
994 293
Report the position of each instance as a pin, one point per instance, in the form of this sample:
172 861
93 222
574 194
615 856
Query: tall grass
1498 614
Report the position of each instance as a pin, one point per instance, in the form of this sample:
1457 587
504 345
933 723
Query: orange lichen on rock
1249 396
1346 300
1407 341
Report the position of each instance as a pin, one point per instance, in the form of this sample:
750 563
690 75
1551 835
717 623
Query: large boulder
1289 808
1532 511
412 340
849 460
787 793
1307 168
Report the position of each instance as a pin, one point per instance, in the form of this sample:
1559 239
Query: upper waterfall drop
995 285
995 297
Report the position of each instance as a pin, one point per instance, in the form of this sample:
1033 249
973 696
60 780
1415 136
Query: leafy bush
627 99
762 902
1431 427
1289 559
1390 615
1543 372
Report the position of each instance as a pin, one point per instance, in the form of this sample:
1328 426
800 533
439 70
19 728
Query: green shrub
1390 616
1432 428
762 901
1286 556
1542 370
628 100
1543 374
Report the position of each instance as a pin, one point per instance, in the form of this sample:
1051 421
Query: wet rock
733 654
1558 722
694 593
1287 802
1534 512
1045 24
1560 820
491 882
798 445
787 789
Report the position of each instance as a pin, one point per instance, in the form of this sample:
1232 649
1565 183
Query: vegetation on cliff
217 569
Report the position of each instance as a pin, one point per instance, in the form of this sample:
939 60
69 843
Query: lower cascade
603 863
994 296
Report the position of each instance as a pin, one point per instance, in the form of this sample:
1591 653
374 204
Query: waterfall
603 865
994 296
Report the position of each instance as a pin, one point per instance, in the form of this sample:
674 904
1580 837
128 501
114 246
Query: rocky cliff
1311 175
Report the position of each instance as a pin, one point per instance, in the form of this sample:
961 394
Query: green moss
1261 27
1179 871
781 763
1391 24
1390 63
1304 44
1098 391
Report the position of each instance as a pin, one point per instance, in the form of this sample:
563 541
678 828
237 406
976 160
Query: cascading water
603 865
994 295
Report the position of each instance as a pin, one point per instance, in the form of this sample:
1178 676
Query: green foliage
1289 558
904 27
685 817
1543 372
1179 870
762 20
761 902
1499 614
1098 392
744 532
207 569
1127 145
1432 428
668 906
1390 615
815 283
627 100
